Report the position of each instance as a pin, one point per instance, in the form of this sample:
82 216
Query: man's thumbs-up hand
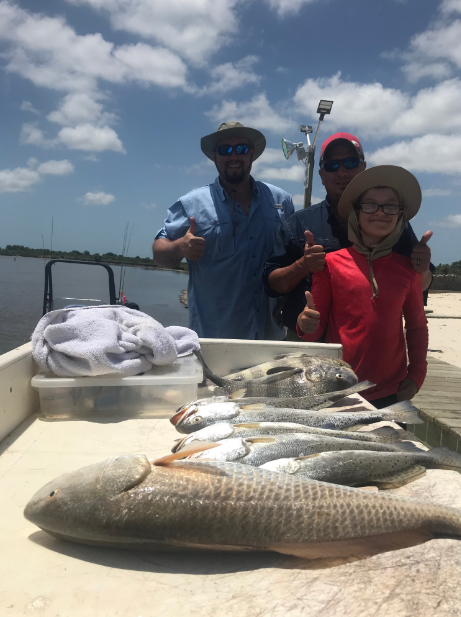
314 255
309 319
193 246
421 255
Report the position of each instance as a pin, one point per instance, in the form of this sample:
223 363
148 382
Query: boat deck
439 402
48 577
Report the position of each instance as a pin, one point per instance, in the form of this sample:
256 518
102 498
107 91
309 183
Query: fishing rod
307 155
127 249
121 267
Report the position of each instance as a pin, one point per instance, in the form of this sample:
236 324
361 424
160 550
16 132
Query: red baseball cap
352 139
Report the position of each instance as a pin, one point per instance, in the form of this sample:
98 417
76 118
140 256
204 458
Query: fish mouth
181 415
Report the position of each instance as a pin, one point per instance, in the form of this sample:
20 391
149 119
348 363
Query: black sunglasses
226 150
372 208
351 162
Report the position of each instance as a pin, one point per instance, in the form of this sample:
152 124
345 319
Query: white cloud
27 106
80 108
152 65
49 53
56 168
415 71
376 111
427 154
230 76
294 173
370 108
452 220
193 28
97 199
287 7
437 193
31 135
151 206
92 138
256 113
17 180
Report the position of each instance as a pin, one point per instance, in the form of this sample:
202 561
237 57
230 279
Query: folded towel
98 340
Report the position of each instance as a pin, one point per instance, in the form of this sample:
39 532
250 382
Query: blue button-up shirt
225 292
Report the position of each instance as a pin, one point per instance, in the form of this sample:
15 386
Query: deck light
306 155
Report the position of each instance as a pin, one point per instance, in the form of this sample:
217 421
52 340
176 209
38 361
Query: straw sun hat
397 178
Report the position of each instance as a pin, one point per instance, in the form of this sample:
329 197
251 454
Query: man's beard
236 177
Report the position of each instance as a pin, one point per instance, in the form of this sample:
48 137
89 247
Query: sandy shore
445 334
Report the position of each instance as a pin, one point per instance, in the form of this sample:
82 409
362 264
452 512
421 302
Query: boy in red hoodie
361 294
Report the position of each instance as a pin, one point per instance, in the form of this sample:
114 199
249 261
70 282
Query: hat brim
255 137
397 178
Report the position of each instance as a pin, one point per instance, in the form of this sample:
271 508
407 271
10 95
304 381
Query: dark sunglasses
372 208
351 162
226 150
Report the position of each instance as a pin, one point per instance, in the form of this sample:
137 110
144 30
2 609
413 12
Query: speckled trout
224 430
129 502
194 417
259 450
385 469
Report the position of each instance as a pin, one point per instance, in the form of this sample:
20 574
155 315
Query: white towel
98 340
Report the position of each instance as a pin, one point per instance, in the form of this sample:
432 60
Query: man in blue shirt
311 233
226 230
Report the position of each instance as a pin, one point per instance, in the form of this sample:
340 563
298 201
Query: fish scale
222 505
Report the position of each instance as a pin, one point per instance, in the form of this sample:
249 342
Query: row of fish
262 486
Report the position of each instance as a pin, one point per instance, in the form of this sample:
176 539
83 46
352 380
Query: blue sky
103 104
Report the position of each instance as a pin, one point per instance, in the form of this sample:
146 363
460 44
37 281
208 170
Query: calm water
22 284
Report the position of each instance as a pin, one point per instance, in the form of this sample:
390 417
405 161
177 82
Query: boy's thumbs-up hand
309 319
314 255
193 247
421 255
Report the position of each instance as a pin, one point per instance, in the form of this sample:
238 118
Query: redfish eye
197 419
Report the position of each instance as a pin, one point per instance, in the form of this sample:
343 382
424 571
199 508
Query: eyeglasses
372 208
351 162
225 150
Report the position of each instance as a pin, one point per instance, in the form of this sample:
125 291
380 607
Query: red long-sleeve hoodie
371 331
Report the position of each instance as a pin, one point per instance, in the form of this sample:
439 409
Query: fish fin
179 443
444 458
404 411
192 449
389 434
299 354
254 407
407 446
400 478
237 394
249 425
275 377
353 428
219 381
357 547
303 458
261 439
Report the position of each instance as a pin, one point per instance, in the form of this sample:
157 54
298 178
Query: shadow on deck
439 402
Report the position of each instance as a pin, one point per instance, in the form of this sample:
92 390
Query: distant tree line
17 250
454 268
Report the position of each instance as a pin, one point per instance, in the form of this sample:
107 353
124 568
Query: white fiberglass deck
43 576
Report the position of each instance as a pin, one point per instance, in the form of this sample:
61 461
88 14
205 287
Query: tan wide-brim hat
397 178
233 129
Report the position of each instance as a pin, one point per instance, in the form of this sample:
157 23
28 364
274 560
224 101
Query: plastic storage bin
156 393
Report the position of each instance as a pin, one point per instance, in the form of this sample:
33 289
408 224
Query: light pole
306 155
